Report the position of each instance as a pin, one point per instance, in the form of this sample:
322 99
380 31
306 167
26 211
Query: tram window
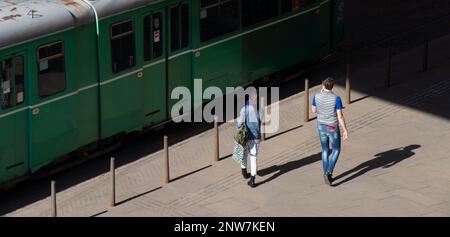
306 2
147 38
206 3
12 82
174 29
19 73
51 69
218 18
179 27
255 11
290 5
286 6
157 35
153 44
6 76
295 4
184 25
122 46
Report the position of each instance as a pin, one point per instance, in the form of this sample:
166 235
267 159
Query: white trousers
251 151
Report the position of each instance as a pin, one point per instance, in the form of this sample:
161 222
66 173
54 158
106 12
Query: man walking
328 107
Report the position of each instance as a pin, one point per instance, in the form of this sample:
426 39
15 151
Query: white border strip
120 77
50 101
182 53
13 112
154 63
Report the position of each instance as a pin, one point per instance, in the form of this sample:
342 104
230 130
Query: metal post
53 194
306 113
113 183
425 56
347 86
166 160
263 111
216 139
389 68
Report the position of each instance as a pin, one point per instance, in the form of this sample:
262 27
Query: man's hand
345 135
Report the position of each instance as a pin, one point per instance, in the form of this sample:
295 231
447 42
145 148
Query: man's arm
342 123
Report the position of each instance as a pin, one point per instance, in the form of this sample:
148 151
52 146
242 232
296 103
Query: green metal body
98 104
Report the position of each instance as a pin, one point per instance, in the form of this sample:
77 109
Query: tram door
52 113
167 58
154 68
13 117
179 60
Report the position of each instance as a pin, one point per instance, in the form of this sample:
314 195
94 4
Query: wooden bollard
306 112
425 56
389 68
166 160
348 98
216 139
263 111
53 198
112 202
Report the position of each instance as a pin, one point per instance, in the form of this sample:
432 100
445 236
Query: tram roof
107 8
22 20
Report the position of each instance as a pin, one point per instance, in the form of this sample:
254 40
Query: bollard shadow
359 99
100 213
137 196
382 160
190 173
312 119
284 132
277 170
225 157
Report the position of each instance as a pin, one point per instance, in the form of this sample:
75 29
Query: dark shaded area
382 160
367 22
277 170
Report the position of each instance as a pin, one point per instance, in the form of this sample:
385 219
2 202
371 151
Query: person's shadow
282 169
381 160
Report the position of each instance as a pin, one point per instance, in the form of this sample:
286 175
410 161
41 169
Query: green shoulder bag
241 135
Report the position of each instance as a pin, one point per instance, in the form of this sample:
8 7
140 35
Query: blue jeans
328 134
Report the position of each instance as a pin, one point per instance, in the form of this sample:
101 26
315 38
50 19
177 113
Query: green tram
77 73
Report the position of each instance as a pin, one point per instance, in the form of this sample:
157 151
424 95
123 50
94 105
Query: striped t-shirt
327 103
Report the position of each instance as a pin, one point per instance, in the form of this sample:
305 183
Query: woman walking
249 114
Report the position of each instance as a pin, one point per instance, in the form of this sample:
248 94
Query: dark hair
328 83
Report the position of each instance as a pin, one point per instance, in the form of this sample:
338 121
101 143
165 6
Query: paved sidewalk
394 164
